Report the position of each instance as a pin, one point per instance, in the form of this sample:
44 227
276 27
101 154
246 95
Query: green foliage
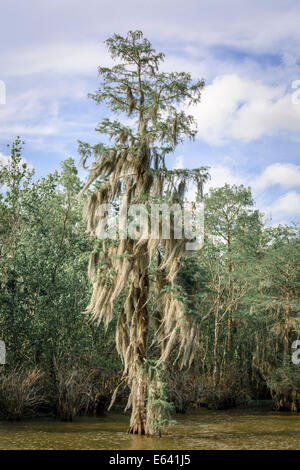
159 408
242 288
43 274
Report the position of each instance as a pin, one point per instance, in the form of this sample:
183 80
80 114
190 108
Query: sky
248 53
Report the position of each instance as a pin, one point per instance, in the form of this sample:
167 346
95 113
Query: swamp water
197 429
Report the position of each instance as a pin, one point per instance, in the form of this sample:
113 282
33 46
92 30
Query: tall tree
231 220
132 168
233 230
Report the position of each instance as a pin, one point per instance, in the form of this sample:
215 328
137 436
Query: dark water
198 429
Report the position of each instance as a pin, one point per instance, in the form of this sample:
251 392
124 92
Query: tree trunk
229 338
138 421
216 350
286 330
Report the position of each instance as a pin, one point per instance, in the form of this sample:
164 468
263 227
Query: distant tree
275 299
231 221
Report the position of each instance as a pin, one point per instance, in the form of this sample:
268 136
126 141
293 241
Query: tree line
241 288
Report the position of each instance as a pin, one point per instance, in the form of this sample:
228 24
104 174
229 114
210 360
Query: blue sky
248 52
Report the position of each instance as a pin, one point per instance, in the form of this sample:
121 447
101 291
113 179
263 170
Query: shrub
20 393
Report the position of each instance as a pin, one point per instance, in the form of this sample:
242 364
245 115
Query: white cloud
285 174
247 51
286 205
289 59
179 163
245 110
38 113
57 58
3 159
255 25
231 108
220 175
